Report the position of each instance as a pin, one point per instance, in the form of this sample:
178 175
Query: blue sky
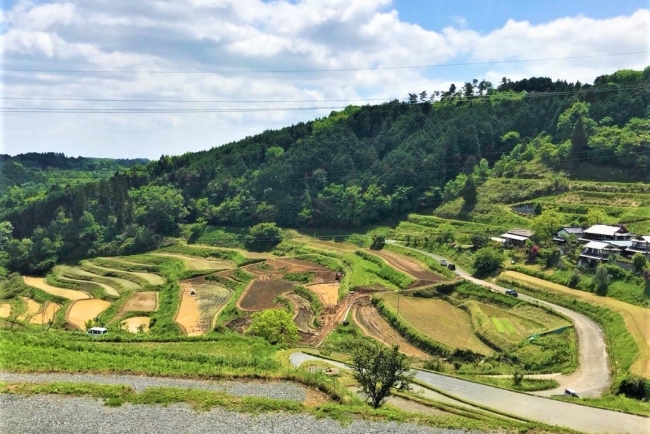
156 37
488 15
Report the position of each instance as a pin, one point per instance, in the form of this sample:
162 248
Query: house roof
596 245
514 237
604 230
642 238
521 232
572 230
621 243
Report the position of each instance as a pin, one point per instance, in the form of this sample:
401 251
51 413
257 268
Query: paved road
592 376
578 417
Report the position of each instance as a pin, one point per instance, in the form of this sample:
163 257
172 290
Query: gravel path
273 390
55 414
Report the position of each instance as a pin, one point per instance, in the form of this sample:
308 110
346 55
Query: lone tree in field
274 325
379 369
487 260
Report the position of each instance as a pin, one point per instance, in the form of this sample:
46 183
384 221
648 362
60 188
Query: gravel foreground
52 414
273 390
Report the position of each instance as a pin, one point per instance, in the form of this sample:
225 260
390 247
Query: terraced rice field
260 294
146 301
83 310
45 314
408 265
151 278
198 263
327 292
439 320
73 272
637 319
32 309
372 324
40 283
522 327
197 312
5 310
135 324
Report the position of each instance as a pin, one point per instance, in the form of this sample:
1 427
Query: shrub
487 260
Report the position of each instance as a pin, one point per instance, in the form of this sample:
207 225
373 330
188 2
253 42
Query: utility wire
299 71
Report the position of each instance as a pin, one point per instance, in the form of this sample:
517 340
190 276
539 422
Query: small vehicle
95 331
443 262
570 392
512 292
452 267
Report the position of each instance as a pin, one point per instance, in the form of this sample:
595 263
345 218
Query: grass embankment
211 252
387 272
430 262
526 385
230 310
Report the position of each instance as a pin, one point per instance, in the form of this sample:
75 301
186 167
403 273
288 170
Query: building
596 252
567 232
606 233
516 237
640 244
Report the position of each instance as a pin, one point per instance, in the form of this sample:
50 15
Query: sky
130 79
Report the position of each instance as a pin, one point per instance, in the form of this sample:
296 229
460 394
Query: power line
175 110
299 71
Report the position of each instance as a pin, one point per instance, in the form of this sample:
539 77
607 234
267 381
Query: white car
97 331
443 262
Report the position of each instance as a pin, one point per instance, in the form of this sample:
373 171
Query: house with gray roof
640 244
606 233
595 252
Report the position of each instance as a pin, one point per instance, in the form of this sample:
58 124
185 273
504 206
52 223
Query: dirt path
373 325
188 315
407 265
637 319
83 310
40 283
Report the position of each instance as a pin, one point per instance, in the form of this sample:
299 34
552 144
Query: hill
360 166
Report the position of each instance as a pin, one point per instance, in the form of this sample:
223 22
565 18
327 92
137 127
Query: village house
640 244
596 252
516 237
567 232
606 233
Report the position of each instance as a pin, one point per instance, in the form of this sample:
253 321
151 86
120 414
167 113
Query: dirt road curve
592 376
578 417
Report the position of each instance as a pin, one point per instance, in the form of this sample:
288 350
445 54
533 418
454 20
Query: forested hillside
357 166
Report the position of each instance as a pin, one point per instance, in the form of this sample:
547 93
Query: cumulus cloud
234 40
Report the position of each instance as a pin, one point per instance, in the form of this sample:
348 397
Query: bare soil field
408 266
188 312
208 298
637 319
72 272
32 309
198 263
40 283
373 325
302 313
83 310
327 292
260 294
46 314
133 324
5 310
146 301
439 320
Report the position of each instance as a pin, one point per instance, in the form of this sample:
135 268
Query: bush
634 386
487 260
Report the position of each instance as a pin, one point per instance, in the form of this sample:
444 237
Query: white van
97 331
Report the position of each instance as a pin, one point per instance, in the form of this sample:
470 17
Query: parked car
452 267
512 292
97 331
443 262
570 392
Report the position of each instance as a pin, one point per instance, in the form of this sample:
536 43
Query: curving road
592 376
566 414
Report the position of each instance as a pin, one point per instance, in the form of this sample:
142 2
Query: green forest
359 166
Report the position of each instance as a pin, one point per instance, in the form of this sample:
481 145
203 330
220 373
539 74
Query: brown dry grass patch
439 320
40 283
83 310
373 325
637 319
260 294
328 293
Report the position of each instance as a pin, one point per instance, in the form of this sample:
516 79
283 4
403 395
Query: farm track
372 324
592 376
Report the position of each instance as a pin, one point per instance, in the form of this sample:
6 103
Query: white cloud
239 35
